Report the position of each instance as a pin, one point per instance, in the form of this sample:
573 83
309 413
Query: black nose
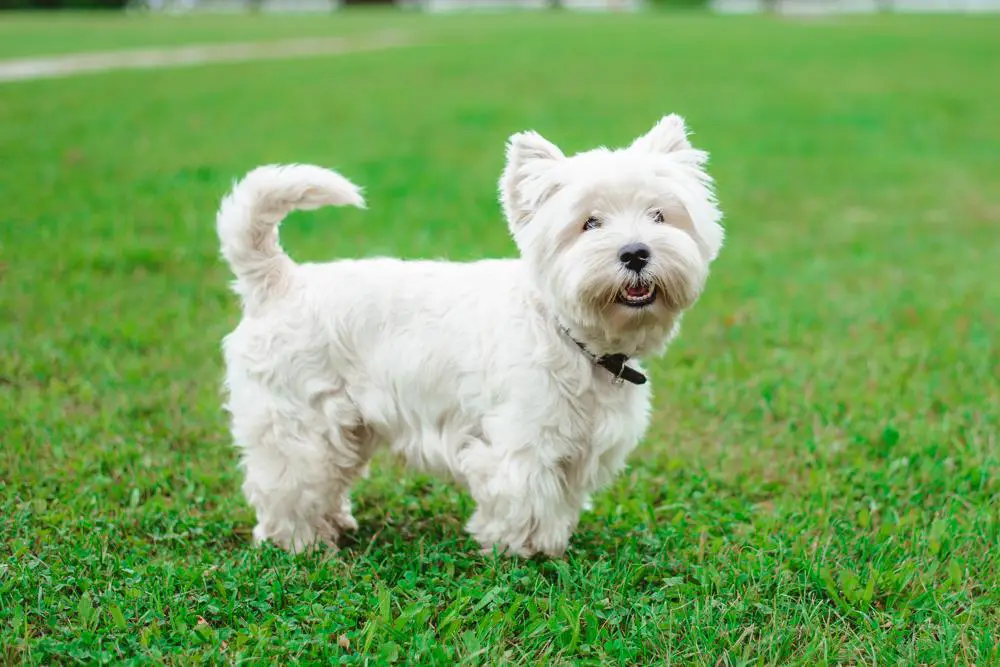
635 256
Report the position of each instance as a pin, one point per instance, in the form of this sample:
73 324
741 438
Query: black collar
613 363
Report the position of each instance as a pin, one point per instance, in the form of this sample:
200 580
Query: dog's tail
248 219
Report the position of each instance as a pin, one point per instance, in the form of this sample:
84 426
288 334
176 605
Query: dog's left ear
670 136
523 185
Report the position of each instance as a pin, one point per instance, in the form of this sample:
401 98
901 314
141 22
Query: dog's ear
670 136
523 185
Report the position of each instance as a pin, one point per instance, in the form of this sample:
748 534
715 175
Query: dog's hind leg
356 444
298 469
351 445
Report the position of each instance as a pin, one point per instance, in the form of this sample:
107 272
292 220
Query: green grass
820 482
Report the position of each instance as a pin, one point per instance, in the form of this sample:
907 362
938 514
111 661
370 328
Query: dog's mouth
637 296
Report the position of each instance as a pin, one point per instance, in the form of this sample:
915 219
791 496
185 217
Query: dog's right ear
523 185
670 137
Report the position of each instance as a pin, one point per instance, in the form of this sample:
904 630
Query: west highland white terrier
518 377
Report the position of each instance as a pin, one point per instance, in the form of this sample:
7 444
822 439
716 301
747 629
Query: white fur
461 368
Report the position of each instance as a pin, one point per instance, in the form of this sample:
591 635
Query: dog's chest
614 418
618 412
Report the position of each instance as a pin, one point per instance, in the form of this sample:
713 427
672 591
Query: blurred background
820 481
736 6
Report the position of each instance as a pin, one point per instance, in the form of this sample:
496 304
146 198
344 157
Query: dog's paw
505 550
555 548
342 522
550 545
548 538
300 541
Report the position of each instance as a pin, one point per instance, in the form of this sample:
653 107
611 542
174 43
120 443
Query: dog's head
619 241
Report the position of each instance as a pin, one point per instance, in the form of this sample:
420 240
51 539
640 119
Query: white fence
292 6
494 5
793 7
237 6
805 7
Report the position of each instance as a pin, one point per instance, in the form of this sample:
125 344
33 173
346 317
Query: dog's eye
591 223
657 216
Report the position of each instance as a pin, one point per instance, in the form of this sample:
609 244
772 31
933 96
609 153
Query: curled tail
248 219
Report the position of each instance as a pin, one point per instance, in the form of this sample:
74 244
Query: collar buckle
616 364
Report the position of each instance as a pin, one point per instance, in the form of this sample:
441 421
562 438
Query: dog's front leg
524 505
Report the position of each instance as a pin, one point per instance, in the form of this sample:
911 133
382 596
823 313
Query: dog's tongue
637 291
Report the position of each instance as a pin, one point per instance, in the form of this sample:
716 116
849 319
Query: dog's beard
668 285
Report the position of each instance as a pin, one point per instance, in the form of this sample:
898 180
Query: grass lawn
821 480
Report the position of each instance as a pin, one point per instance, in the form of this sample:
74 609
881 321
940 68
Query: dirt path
23 69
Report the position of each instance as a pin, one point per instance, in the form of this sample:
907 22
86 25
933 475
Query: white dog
515 376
